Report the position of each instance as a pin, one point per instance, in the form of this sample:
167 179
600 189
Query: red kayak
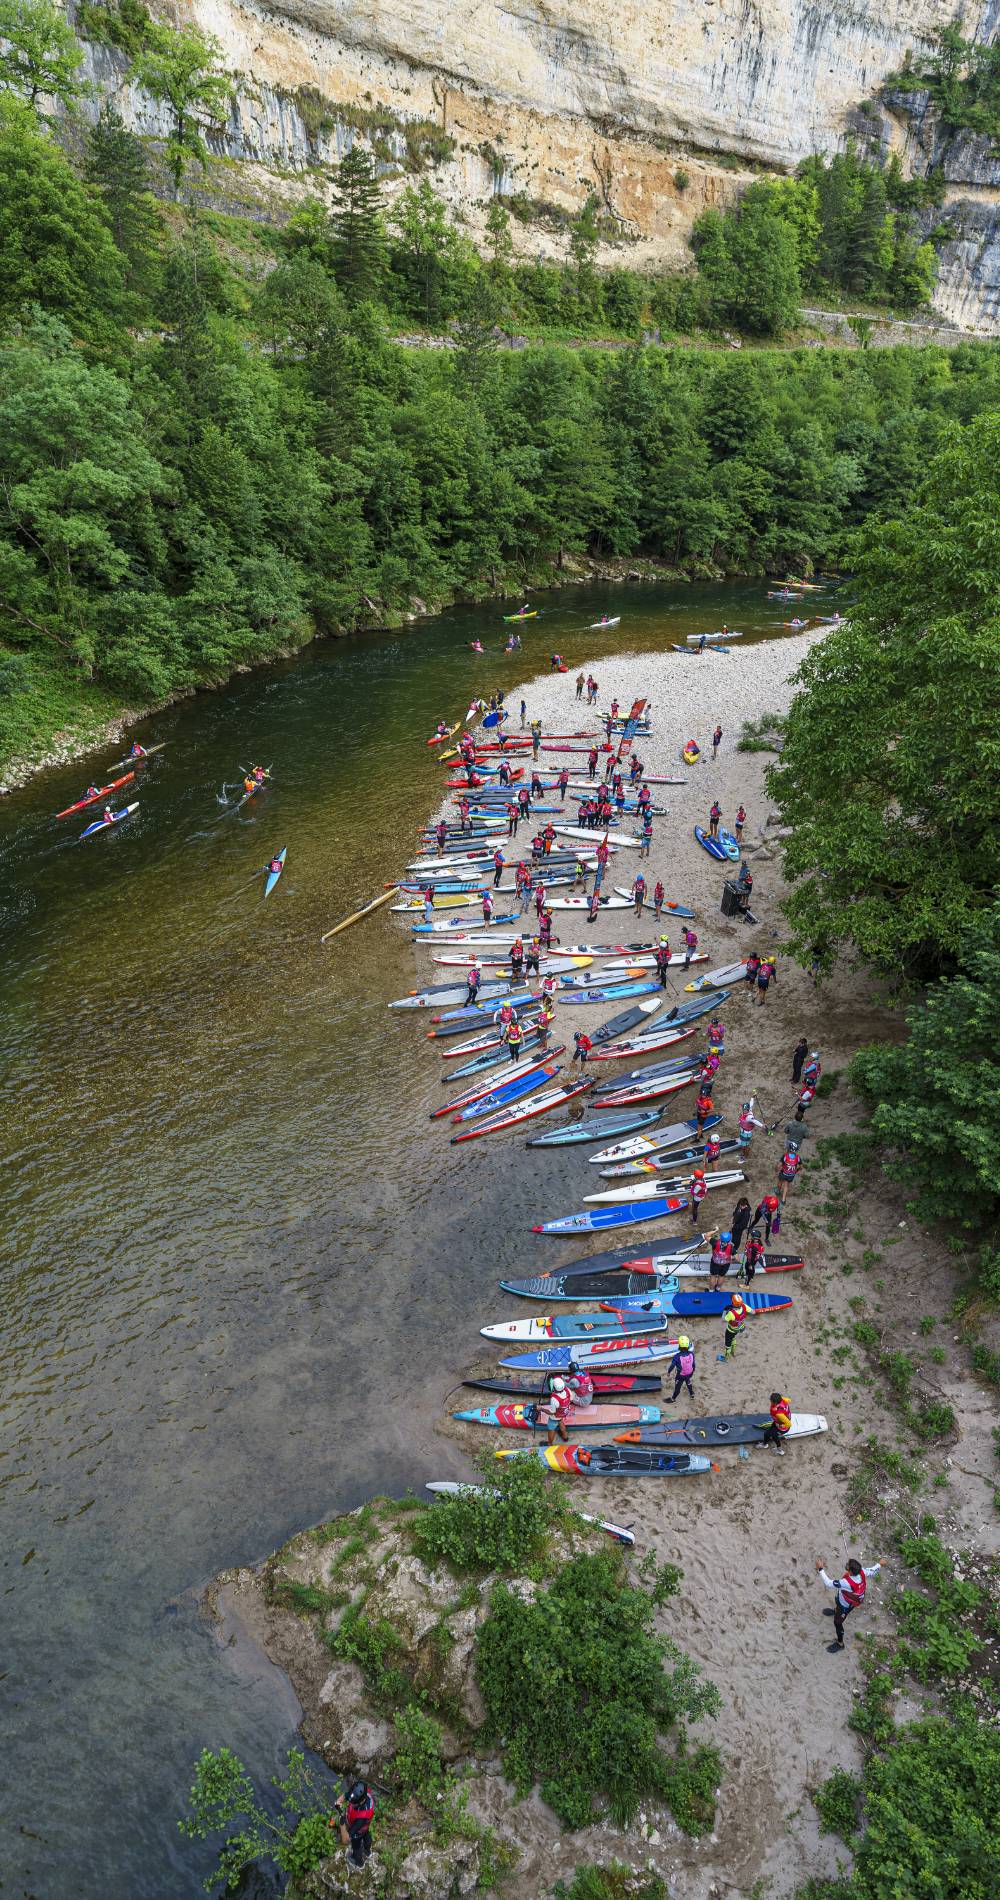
81 803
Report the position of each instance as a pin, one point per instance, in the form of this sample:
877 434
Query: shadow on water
240 1268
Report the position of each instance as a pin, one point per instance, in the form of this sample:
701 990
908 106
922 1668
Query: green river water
240 1268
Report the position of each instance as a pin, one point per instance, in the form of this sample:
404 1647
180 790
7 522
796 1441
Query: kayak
629 1093
629 1018
628 966
570 1326
477 1090
438 738
492 1058
730 847
547 966
672 1065
640 1046
676 910
593 834
583 903
698 1305
676 1136
505 1093
612 994
608 1352
596 1220
691 754
272 877
656 1165
441 993
536 1105
733 1428
710 646
595 1130
509 618
592 1418
730 633
662 1185
603 1382
140 759
596 625
713 846
717 979
447 1487
105 824
92 797
651 1270
615 1461
685 1013
439 926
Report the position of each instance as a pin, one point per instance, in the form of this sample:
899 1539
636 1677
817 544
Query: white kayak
547 966
669 1185
593 834
717 979
581 903
646 961
616 1051
731 633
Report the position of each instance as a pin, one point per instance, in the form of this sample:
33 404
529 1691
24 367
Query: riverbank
750 1610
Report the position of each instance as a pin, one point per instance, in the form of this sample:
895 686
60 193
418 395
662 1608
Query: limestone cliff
660 107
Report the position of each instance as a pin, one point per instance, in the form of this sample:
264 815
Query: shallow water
240 1268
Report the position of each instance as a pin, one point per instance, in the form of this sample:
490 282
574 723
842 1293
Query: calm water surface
240 1270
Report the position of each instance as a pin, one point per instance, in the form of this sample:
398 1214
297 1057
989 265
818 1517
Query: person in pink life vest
716 1035
697 1190
713 1149
805 1101
581 1385
473 978
788 1168
850 1592
690 946
682 1366
487 907
722 1254
748 1121
713 819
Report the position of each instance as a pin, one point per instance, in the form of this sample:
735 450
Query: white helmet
558 1385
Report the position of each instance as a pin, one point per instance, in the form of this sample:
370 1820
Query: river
238 1264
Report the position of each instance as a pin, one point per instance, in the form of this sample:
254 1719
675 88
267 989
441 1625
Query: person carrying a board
715 813
682 1365
781 1423
716 741
850 1591
788 1168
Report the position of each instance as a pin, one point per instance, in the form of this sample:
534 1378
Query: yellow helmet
683 1342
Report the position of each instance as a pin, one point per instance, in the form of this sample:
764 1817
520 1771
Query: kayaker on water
108 815
93 791
137 751
249 787
850 1590
273 868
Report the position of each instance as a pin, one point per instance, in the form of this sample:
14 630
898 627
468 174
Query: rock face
660 108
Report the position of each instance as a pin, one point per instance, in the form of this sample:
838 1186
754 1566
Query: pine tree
359 245
116 164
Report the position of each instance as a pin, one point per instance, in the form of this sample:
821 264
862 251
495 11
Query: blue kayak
506 1093
730 846
603 1352
474 1012
626 1123
611 995
624 1214
713 846
272 877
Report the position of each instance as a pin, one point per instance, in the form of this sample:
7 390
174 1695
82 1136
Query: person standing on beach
473 978
582 1048
524 709
580 684
639 892
514 1037
682 1365
563 783
703 1108
716 741
647 837
805 1101
740 1222
536 737
799 1054
690 946
429 904
546 1018
659 898
498 867
516 960
513 819
545 930
722 1254
713 819
592 762
788 1168
736 1317
662 957
752 967
738 824
487 907
766 975
753 1257
697 1190
531 957
747 1123
768 1208
850 1592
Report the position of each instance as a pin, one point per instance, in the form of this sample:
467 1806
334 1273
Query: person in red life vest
498 864
659 898
581 1385
752 967
609 767
738 823
537 848
503 776
548 837
503 1017
619 798
614 709
767 1211
592 762
583 1047
709 1068
539 898
563 783
781 1423
524 800
355 1823
487 907
545 930
647 835
644 799
805 1101
602 854
748 1121
812 1070
531 956
716 1035
722 1254
712 1150
594 907
516 959
513 819
682 1366
716 741
753 1257
608 728
463 813
473 978
137 751
548 989
428 900
639 892
713 819
736 1318
662 958
537 788
850 1590
703 1108
788 1167
690 946
442 835
555 1409
514 1038
697 1190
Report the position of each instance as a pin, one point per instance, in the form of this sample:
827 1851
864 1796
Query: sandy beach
751 1609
